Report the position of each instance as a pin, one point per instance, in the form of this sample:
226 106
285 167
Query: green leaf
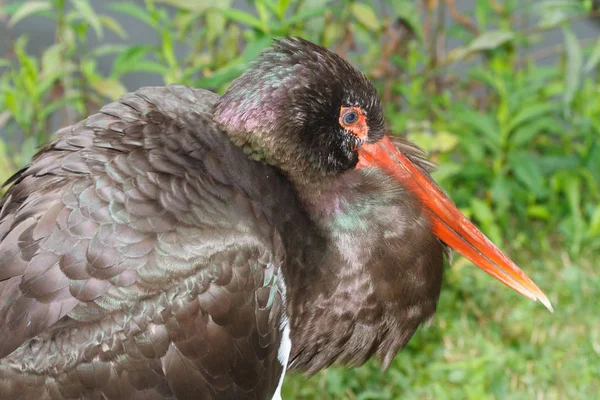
52 61
129 60
572 188
527 171
490 40
482 13
133 11
242 17
110 88
573 70
11 103
55 105
197 6
551 164
555 12
282 6
486 41
270 5
223 75
484 124
594 59
113 25
89 15
28 64
534 111
501 190
263 13
528 130
594 226
184 20
593 161
29 8
332 32
444 141
215 25
539 212
6 165
229 46
149 66
482 211
366 16
10 8
88 69
167 48
304 16
407 12
422 139
107 49
446 171
254 48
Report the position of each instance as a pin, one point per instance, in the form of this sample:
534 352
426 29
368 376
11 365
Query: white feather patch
285 347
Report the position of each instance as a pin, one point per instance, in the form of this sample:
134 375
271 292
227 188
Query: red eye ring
354 120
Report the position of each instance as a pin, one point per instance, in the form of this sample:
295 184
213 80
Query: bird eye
350 118
354 121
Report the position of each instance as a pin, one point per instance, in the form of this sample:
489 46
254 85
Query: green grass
487 342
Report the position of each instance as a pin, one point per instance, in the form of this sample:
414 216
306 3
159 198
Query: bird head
303 109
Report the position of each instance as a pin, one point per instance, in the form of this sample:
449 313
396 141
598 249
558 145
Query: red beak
449 224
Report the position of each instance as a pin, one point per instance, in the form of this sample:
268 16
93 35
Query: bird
181 244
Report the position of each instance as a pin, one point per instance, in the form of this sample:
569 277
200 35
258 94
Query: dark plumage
167 246
285 110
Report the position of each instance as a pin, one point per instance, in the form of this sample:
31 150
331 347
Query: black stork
181 244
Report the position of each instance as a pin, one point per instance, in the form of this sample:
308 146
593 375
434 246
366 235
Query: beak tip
544 300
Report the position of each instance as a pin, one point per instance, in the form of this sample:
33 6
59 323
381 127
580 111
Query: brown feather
114 283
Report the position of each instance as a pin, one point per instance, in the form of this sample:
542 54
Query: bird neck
367 274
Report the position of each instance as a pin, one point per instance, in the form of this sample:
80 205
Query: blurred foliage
515 129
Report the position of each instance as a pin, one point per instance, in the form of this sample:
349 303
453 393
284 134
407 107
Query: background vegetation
515 129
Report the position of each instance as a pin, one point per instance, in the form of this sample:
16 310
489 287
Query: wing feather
129 257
